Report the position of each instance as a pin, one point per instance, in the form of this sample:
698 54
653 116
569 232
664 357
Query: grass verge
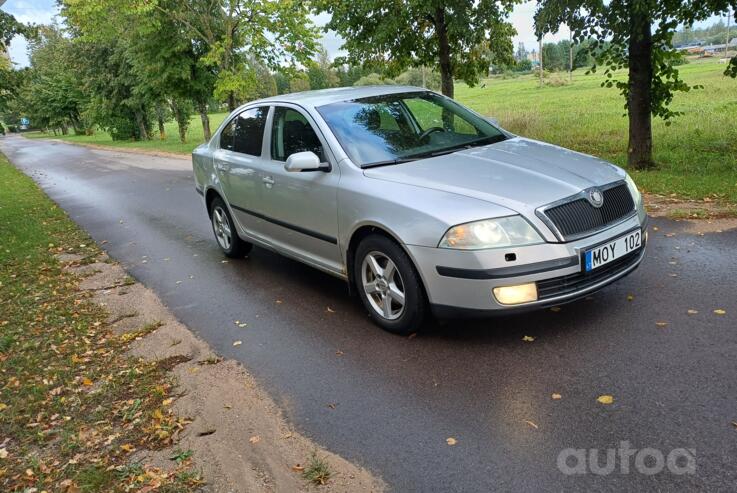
73 408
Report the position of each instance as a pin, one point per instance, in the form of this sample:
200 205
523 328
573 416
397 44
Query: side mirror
303 161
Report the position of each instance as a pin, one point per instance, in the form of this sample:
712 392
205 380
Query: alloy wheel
221 226
382 283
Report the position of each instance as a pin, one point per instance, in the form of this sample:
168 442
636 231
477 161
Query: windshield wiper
490 139
389 162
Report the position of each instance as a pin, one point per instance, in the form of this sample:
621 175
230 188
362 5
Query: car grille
560 286
578 217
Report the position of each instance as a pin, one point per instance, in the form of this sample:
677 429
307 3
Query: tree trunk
64 129
540 58
182 121
142 132
570 56
640 147
202 109
160 118
446 66
231 101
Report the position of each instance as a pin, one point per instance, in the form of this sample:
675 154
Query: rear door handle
268 181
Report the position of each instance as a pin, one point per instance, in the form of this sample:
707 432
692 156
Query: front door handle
268 181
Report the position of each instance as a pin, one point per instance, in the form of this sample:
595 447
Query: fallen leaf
451 441
630 297
555 309
243 325
167 402
692 312
3 453
127 447
719 311
330 310
86 381
661 324
412 335
339 352
528 338
332 405
254 439
286 435
237 343
3 406
605 399
531 424
556 397
298 468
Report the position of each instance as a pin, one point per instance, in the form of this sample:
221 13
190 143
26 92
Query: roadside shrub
373 80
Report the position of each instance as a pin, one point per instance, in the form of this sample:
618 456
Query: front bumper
462 282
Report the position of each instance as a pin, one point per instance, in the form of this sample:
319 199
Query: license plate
610 251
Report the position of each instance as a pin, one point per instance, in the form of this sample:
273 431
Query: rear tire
226 234
389 285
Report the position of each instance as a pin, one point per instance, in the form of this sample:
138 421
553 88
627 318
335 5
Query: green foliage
53 94
373 80
300 82
459 37
321 72
420 77
523 65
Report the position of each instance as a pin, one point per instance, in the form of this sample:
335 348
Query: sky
43 12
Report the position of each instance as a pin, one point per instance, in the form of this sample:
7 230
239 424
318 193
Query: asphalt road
389 403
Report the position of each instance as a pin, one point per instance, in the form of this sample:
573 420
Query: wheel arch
210 195
364 230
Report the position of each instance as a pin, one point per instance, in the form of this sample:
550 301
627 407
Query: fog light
513 295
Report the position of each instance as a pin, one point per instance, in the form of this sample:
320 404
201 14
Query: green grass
696 155
195 137
317 470
66 388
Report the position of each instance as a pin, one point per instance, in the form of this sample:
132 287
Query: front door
300 208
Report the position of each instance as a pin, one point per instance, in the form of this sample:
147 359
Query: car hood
518 173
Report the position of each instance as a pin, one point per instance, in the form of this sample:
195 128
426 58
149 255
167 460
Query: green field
696 155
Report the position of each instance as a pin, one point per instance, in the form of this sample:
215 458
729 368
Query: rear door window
249 131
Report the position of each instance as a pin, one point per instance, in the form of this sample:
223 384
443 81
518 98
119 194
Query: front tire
225 231
389 285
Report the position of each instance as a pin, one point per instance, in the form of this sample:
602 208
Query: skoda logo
596 198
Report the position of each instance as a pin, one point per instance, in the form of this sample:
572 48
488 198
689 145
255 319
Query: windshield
394 128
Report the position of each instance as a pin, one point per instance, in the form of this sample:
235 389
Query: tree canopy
459 37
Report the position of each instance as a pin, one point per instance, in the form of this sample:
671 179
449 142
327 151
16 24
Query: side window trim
232 135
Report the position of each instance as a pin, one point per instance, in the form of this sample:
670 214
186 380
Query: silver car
419 203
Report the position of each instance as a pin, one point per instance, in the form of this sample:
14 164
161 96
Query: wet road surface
389 403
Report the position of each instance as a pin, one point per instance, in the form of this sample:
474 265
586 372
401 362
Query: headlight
490 233
636 195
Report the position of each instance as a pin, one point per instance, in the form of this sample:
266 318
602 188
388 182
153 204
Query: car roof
334 95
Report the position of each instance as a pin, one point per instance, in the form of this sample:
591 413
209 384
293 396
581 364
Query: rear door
237 162
300 208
